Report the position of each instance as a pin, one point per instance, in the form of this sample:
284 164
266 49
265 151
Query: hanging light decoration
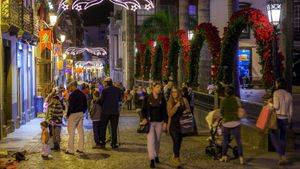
95 51
80 5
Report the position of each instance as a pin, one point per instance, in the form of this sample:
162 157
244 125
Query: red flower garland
141 57
213 40
263 33
165 41
185 45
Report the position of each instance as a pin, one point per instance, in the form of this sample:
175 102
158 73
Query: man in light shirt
283 107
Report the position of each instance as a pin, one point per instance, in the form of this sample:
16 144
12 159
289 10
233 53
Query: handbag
144 128
187 124
272 124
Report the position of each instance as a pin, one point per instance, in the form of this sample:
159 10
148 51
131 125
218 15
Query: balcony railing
15 14
27 22
11 14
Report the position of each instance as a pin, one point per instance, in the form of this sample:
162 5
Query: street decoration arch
180 47
80 5
98 51
263 32
209 33
139 60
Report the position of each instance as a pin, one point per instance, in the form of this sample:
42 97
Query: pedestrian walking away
155 113
110 102
283 106
231 123
176 106
77 106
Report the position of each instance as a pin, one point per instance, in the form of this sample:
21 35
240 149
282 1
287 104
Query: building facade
17 69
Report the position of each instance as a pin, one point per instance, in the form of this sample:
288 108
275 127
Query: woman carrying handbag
177 106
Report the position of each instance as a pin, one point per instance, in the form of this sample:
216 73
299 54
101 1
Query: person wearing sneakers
155 112
177 106
231 123
77 106
283 106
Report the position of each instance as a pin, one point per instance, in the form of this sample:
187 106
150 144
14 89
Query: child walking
45 141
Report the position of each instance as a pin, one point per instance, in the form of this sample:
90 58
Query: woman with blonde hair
176 106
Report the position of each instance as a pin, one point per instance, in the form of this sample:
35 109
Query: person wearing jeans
283 106
77 106
231 123
155 112
177 106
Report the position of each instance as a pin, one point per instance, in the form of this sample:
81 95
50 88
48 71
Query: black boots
152 164
156 159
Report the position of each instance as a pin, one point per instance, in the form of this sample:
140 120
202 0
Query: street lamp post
274 13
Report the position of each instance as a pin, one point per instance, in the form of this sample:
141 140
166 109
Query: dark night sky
97 14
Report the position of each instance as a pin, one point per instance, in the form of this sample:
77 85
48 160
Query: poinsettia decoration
140 60
209 33
185 49
164 41
263 33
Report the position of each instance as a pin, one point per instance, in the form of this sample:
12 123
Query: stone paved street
133 154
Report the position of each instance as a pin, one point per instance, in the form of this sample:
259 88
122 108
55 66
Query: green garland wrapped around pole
157 63
173 58
147 64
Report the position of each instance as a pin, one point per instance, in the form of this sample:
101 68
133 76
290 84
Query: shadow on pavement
132 150
94 156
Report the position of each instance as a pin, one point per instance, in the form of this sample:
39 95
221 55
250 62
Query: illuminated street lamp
190 35
274 13
62 38
53 19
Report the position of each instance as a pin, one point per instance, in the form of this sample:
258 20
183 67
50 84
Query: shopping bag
263 118
272 124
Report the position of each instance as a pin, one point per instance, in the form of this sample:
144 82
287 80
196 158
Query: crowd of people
158 106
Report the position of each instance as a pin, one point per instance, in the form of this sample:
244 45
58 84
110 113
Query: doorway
7 87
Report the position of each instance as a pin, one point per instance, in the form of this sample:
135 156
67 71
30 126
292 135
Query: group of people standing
161 106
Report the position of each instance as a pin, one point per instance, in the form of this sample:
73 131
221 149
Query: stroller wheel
235 152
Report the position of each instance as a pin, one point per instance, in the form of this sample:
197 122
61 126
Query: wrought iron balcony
27 21
15 14
11 14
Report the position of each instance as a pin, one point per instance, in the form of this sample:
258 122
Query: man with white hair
110 102
76 109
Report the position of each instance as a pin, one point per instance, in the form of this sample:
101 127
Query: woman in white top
283 105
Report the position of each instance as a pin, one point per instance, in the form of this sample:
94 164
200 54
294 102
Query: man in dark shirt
110 102
77 106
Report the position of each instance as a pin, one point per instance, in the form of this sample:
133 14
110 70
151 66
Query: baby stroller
214 149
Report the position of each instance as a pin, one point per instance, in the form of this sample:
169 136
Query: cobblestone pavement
133 154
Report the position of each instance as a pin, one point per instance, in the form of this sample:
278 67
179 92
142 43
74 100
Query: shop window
245 65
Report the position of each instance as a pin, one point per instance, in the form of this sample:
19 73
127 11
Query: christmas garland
185 51
139 61
210 33
165 43
173 58
147 64
157 63
263 32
